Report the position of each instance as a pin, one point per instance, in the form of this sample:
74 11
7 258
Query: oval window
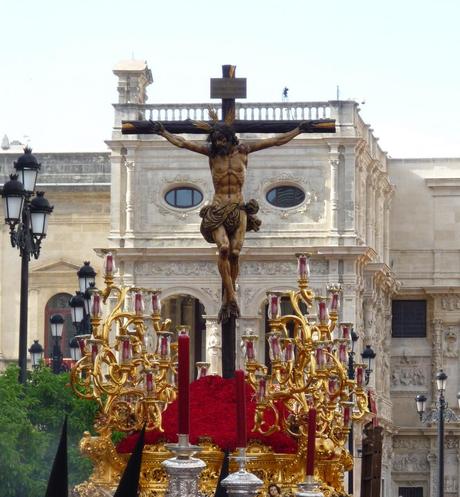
184 197
285 196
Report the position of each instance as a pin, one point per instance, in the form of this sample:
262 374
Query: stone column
117 159
334 163
129 164
436 357
433 483
378 223
386 232
370 219
213 345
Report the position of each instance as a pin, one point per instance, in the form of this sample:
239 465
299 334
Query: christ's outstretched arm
178 141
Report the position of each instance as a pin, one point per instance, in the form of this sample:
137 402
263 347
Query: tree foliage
31 418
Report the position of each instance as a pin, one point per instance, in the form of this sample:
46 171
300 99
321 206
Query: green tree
31 418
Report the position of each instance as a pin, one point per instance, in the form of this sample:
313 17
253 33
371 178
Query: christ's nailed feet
228 310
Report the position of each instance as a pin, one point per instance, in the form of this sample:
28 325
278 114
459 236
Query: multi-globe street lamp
439 414
27 217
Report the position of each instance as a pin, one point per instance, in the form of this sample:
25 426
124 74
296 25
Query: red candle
322 312
109 265
346 416
149 382
311 441
96 310
94 352
241 435
126 350
250 350
138 303
359 376
184 384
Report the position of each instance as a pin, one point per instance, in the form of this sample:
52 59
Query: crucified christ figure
226 220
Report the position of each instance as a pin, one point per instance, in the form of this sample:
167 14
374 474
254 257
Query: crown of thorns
209 127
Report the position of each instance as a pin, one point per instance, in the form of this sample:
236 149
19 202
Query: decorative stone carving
253 268
451 443
450 342
214 293
248 295
408 372
450 302
407 377
175 268
213 346
410 443
450 484
410 462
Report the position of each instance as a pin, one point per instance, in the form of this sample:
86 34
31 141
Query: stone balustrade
346 114
247 111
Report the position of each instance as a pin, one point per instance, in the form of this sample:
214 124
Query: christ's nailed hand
157 127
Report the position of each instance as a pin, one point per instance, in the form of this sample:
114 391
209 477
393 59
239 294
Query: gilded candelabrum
308 368
128 362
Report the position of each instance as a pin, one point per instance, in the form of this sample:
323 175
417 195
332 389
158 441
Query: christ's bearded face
220 144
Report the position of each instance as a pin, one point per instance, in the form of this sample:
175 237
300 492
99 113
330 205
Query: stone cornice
256 253
444 187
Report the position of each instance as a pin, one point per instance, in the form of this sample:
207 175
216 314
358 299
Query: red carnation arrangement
212 414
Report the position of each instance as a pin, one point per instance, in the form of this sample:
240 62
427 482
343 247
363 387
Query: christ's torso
228 175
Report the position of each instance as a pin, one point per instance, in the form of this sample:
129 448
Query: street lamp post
439 414
27 218
368 355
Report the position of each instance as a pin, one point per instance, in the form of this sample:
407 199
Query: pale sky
400 57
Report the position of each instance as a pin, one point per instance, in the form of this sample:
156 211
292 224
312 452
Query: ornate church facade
385 229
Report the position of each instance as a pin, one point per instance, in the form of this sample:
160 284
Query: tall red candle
184 384
311 441
241 436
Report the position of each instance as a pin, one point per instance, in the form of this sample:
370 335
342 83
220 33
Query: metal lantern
75 352
420 401
36 353
441 381
13 194
27 167
86 276
77 305
40 209
368 355
57 325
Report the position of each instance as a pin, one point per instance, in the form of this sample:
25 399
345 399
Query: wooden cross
228 88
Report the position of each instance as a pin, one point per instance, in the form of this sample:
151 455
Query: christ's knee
224 251
235 253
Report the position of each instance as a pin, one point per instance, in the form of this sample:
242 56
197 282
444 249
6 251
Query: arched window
184 197
59 304
285 196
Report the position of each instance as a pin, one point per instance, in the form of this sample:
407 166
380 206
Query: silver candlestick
242 483
183 469
308 488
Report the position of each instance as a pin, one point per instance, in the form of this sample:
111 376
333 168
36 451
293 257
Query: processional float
134 369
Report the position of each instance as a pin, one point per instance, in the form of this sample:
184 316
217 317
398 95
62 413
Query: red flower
213 414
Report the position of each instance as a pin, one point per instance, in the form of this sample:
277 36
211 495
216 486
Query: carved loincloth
228 216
